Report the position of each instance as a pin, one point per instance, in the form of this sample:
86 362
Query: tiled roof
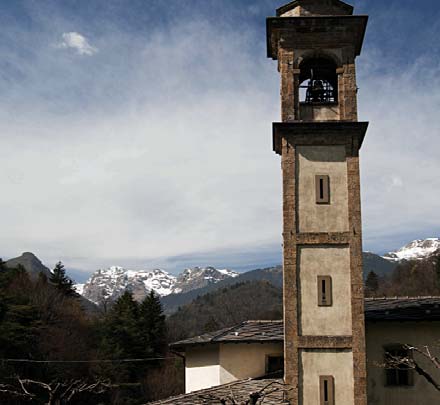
403 309
249 331
274 392
376 309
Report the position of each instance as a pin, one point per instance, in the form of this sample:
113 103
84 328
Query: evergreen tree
120 339
18 317
372 283
62 281
3 306
152 325
121 331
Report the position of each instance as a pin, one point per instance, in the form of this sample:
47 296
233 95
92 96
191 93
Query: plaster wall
202 369
322 160
419 334
240 361
324 321
316 363
310 112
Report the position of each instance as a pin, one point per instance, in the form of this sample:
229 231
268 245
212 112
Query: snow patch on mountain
415 250
79 288
199 277
229 273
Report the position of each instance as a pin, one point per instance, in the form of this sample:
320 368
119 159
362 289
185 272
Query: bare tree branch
57 392
410 362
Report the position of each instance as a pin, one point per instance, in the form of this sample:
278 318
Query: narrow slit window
325 291
322 189
327 390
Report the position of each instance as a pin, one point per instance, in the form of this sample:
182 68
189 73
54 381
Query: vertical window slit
325 295
322 185
327 390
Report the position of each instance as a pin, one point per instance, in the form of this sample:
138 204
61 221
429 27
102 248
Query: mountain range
106 285
109 284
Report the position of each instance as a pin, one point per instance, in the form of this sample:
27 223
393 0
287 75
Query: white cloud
78 42
164 148
396 181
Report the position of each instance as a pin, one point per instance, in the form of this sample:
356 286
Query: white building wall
202 369
240 361
212 365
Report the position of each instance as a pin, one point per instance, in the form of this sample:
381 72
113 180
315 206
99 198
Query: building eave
319 132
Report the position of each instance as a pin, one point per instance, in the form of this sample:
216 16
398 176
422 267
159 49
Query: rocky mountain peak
199 277
31 263
415 250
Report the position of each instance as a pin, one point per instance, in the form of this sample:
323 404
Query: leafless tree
411 362
57 393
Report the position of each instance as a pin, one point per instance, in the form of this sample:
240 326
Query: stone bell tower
316 43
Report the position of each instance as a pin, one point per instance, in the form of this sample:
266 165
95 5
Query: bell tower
319 137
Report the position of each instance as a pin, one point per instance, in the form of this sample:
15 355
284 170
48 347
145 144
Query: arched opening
318 81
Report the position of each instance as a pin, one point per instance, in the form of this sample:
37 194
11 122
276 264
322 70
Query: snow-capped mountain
79 288
109 284
415 250
199 277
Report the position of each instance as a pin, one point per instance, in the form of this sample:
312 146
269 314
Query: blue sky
138 133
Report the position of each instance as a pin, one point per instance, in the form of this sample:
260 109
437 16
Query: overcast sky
138 132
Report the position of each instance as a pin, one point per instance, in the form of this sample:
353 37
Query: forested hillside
51 349
373 262
119 355
418 277
273 275
227 307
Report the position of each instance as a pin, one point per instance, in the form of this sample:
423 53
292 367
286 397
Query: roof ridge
229 330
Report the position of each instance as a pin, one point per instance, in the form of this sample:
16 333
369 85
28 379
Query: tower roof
299 8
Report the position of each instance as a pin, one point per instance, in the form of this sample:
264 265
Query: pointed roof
314 7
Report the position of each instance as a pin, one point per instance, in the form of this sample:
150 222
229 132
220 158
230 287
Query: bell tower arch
316 43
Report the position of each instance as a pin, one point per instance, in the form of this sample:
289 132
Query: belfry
319 137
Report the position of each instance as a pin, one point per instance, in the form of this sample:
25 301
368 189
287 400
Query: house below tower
248 357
